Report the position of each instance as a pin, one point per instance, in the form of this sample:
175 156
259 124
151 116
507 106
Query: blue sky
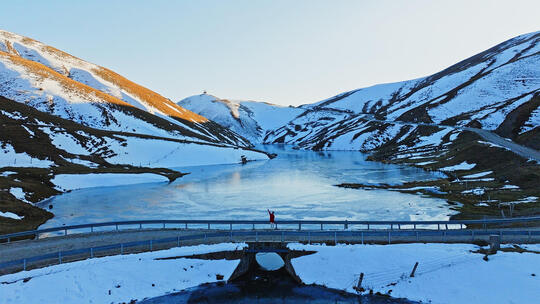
284 52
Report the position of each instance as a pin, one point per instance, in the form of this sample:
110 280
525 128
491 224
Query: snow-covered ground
117 279
11 215
447 273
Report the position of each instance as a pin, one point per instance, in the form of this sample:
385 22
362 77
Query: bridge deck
55 249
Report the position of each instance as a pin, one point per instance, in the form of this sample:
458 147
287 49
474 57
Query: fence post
529 236
362 235
472 235
256 236
282 236
309 237
65 231
299 226
321 226
208 226
140 225
335 238
417 236
358 286
413 270
205 237
178 241
91 253
151 247
389 237
230 236
91 228
59 257
116 227
24 264
163 225
230 226
121 248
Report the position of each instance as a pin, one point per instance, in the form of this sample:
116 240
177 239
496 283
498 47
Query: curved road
489 136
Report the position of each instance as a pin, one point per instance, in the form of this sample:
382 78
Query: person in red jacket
272 218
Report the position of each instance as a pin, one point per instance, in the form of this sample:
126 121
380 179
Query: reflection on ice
297 184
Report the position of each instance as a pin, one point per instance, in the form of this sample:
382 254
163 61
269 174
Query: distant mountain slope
61 84
250 119
495 90
36 147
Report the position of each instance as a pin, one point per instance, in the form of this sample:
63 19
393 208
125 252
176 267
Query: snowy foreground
134 276
447 273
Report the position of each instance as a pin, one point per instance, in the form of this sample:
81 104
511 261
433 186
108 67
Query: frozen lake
296 184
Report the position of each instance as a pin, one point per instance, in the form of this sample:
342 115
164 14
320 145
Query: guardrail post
282 236
299 226
417 236
414 227
208 226
446 226
321 226
37 235
253 227
438 226
346 226
256 236
399 226
389 242
367 226
65 231
529 236
59 257
116 227
186 224
460 226
335 238
163 225
205 237
309 237
362 235
151 245
24 264
140 225
472 235
178 241
230 226
91 228
391 226
8 240
230 236
91 253
121 248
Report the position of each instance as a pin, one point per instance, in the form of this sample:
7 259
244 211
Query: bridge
43 247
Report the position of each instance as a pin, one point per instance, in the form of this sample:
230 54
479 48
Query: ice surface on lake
297 185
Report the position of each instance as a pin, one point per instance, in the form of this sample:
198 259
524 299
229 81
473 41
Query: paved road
29 248
489 136
510 145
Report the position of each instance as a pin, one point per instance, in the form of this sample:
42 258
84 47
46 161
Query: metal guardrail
346 224
90 252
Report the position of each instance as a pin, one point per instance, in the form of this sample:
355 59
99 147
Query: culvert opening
269 261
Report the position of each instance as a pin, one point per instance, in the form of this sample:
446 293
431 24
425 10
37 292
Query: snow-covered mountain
250 119
498 90
63 85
